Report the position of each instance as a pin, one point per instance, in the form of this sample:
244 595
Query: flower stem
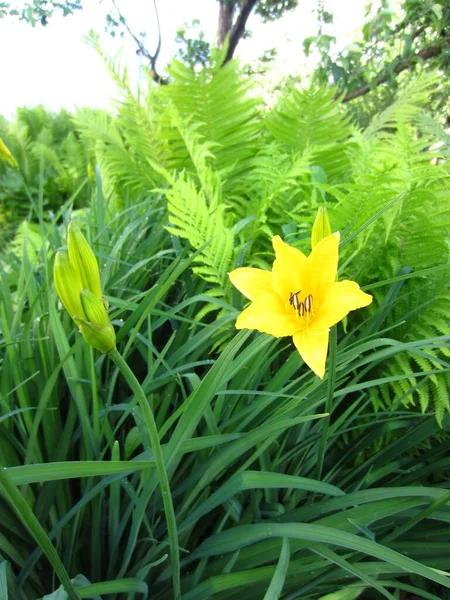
95 403
160 466
329 401
25 513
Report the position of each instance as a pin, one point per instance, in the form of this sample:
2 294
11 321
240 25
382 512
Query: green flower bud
321 228
83 259
68 285
77 281
100 338
94 308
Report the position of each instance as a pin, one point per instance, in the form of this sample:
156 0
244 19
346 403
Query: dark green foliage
270 10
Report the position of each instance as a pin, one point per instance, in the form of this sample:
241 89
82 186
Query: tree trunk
226 12
235 30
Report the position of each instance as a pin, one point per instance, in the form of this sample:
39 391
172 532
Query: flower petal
251 282
68 285
336 301
94 308
83 259
287 269
313 349
321 268
268 315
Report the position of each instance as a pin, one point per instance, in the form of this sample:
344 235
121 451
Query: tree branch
142 50
237 31
402 65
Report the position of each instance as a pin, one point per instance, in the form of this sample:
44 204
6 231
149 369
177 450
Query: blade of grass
276 585
23 510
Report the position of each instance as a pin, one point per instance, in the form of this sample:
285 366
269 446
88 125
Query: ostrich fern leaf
191 218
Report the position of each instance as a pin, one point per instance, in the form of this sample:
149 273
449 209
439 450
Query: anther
308 303
301 307
293 299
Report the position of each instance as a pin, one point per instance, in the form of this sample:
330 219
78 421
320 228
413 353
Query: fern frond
308 118
191 218
276 187
425 324
123 167
407 106
217 100
201 155
128 144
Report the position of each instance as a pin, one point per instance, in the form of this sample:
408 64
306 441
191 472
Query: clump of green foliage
51 163
193 179
234 176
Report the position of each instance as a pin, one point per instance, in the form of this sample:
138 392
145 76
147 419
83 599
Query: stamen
293 299
302 308
308 303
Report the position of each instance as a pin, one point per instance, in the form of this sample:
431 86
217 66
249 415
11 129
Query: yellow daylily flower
77 281
299 297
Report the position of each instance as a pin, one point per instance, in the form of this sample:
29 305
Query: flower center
303 308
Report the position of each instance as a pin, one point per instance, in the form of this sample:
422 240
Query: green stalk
160 467
329 401
95 402
26 515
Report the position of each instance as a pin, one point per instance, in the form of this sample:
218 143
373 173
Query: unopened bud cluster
77 281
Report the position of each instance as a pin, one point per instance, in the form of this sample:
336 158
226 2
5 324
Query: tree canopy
393 43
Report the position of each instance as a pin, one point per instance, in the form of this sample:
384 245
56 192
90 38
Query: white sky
54 66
